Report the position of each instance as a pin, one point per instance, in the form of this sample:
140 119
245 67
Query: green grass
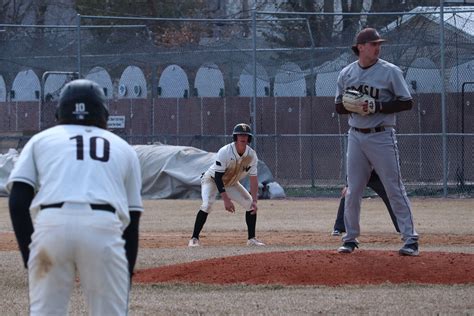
466 191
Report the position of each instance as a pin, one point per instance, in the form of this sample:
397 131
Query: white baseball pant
236 193
77 237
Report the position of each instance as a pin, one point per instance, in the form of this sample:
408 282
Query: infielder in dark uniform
233 162
82 185
376 185
372 143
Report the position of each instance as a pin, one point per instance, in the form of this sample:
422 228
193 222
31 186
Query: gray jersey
383 81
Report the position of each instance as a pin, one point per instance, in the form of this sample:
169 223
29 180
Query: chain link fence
189 81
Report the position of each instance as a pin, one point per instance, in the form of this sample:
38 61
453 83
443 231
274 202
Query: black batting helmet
82 102
242 129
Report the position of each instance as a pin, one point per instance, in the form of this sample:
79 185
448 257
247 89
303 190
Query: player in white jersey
234 161
82 185
372 142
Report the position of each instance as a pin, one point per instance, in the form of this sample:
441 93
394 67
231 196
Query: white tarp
7 161
168 172
174 172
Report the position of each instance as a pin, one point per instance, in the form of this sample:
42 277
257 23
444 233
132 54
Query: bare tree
14 11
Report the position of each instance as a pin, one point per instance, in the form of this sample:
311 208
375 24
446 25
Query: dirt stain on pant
44 264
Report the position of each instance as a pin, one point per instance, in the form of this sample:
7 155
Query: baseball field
299 272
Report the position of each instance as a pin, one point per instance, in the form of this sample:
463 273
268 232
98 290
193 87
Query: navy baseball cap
367 35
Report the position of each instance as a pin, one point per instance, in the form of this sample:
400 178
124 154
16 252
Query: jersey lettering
93 148
365 89
105 150
79 147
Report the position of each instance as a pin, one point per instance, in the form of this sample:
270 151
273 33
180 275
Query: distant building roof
462 20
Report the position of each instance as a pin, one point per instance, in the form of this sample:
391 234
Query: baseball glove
354 101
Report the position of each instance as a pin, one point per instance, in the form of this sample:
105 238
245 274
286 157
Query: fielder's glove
354 101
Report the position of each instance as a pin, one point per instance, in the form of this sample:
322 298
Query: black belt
370 130
95 207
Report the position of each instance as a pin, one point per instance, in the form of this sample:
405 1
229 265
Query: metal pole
462 137
79 45
443 102
461 176
399 13
253 115
311 93
231 21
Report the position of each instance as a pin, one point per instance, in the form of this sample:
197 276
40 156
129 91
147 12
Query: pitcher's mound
319 268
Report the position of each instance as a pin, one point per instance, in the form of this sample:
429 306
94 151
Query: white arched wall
209 81
289 81
26 86
245 84
132 84
325 85
327 74
173 83
100 76
424 75
53 85
3 90
461 74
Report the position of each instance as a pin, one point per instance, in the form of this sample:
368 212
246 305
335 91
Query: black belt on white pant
94 207
370 130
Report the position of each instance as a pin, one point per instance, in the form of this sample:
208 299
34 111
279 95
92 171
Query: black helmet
242 129
82 102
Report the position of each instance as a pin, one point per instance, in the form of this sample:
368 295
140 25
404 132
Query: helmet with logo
82 102
242 129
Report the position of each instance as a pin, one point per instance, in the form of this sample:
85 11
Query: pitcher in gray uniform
372 142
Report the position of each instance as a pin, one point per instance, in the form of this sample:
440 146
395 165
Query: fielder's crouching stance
82 184
233 162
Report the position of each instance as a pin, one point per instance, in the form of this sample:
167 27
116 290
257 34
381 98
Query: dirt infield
321 267
315 267
299 272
